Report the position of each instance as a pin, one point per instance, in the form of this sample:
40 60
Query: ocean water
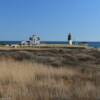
90 44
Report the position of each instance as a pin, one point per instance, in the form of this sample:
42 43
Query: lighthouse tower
69 39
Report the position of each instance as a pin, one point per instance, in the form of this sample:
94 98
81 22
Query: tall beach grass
32 81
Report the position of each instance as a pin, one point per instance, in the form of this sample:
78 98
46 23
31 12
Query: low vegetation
55 57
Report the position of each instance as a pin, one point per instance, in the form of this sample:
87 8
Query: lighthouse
69 39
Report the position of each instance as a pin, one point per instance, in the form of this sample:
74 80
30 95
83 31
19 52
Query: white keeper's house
33 40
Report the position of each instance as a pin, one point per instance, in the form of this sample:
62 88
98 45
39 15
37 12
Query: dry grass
27 81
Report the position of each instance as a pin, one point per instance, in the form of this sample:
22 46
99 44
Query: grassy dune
32 81
55 56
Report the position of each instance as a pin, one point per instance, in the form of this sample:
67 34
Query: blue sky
52 19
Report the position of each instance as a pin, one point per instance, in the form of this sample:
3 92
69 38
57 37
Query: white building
33 40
